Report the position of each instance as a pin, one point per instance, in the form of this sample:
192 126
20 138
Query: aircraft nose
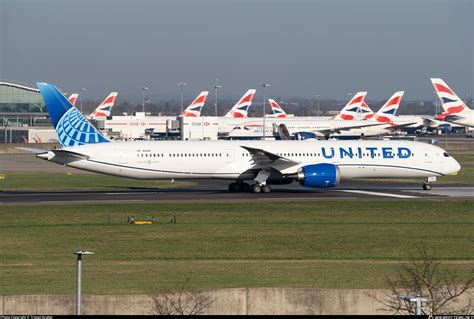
454 167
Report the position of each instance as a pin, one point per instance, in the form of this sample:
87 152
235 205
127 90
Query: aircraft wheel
426 187
266 189
256 188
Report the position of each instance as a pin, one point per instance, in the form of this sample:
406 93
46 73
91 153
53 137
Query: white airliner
317 164
455 111
311 127
418 121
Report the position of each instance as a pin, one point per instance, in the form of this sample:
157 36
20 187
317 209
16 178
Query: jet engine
319 175
305 135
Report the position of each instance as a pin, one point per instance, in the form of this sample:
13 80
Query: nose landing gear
428 180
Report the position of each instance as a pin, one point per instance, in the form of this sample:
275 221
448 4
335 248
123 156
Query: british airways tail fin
366 111
349 112
451 102
194 109
277 110
240 109
387 112
73 98
105 108
72 128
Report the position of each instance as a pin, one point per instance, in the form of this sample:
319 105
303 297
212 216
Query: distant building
19 99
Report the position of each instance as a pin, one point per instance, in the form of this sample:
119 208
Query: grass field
326 244
57 181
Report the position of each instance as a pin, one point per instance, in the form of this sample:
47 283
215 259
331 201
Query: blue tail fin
72 127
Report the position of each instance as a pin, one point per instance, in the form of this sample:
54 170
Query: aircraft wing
347 128
31 149
397 126
267 159
62 156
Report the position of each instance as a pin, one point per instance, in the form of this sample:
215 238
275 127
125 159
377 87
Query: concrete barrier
239 301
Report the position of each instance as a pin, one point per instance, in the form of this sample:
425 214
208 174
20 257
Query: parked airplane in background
351 110
240 109
194 109
455 111
312 127
317 164
277 110
73 98
105 108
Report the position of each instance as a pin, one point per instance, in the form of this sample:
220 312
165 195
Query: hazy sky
302 48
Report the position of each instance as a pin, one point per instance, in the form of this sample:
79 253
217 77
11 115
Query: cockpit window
446 154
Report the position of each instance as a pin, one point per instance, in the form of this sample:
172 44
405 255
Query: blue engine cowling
305 135
319 175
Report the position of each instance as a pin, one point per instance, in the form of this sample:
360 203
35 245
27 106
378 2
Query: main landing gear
246 188
426 183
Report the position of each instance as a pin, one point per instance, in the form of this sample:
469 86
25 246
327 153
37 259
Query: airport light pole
417 299
79 254
317 97
215 102
265 85
145 88
182 85
81 90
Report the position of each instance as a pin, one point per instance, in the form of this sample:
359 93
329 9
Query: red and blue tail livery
73 98
240 109
351 110
104 109
277 110
450 101
194 109
455 111
387 112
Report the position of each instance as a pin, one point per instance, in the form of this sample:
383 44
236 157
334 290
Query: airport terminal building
21 108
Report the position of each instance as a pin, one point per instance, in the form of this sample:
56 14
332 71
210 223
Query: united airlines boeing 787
313 163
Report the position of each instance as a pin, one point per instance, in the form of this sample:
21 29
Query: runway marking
378 194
